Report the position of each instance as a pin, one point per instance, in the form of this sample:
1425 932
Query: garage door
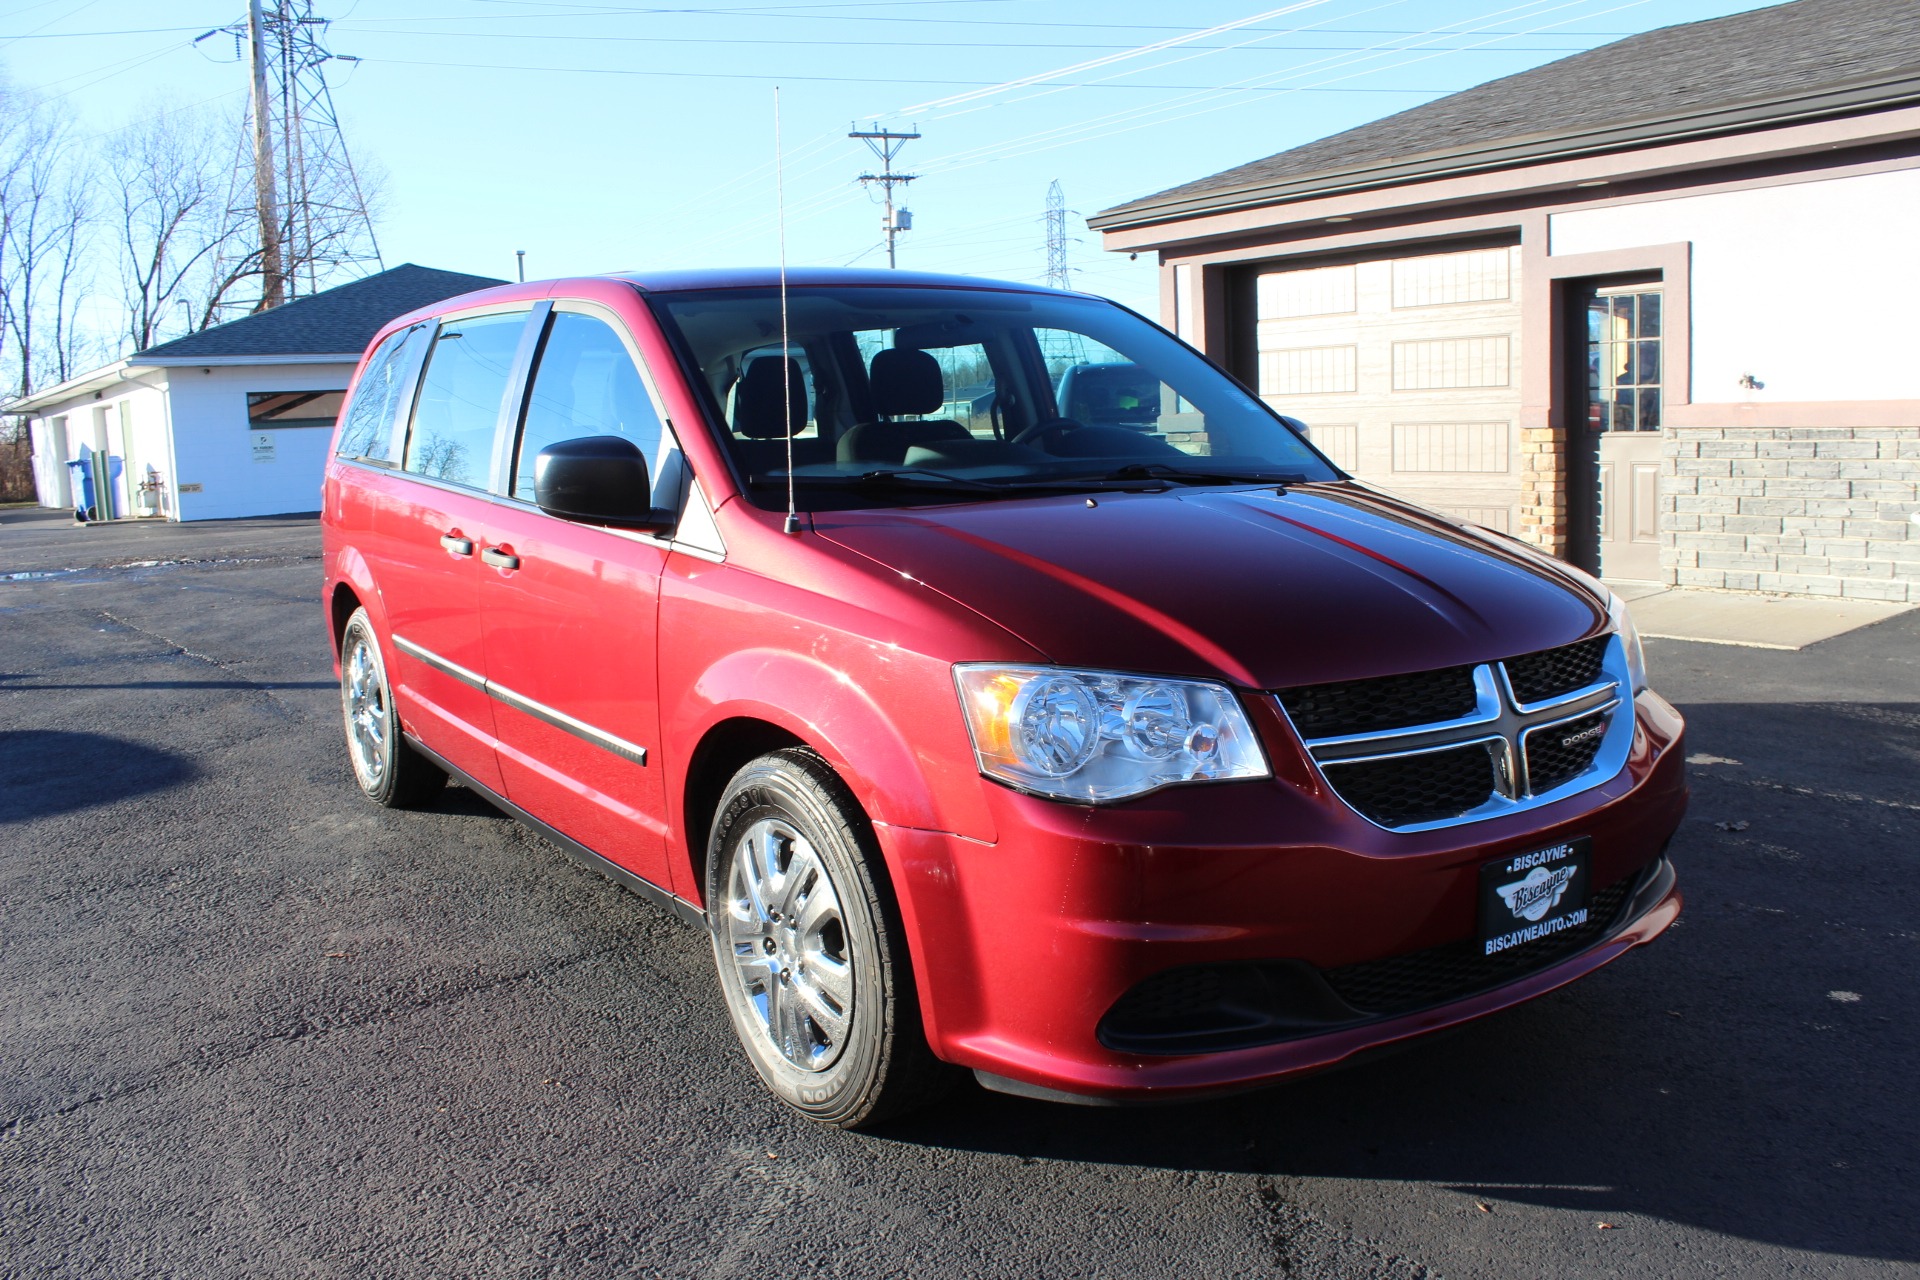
1408 371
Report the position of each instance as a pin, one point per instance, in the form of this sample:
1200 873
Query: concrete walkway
1746 618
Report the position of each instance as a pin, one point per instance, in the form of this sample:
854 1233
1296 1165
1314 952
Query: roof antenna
786 360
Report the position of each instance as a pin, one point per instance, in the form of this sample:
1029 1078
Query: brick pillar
1543 488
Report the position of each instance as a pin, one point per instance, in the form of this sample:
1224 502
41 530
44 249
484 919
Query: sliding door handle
500 558
453 542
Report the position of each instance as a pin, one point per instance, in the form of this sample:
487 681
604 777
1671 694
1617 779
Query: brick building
1646 307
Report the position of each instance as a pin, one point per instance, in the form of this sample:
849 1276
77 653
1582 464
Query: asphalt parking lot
253 1026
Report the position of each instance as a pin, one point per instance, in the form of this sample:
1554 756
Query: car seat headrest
762 410
906 380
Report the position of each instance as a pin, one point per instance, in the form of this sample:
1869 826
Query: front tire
389 771
811 956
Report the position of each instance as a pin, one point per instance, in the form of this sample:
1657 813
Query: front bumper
1023 946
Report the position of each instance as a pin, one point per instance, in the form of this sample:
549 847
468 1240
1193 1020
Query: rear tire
390 772
811 956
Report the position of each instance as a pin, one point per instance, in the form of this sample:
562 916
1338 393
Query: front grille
1360 733
1399 791
1455 970
1559 753
1387 702
1553 672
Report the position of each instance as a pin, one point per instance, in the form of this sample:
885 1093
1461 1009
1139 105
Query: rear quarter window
366 429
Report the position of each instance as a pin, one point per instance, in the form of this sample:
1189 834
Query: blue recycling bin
80 473
93 487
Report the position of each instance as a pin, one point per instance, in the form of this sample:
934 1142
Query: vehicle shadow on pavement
1579 1103
44 772
1749 1073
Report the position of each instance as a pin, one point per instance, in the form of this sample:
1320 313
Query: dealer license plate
1525 897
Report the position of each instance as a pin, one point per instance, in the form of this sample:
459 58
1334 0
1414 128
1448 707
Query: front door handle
453 542
500 559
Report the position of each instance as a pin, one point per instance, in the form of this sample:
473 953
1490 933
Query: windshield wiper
1135 472
890 477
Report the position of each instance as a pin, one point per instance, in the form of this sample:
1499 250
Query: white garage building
231 421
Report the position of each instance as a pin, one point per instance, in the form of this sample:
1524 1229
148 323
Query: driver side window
584 384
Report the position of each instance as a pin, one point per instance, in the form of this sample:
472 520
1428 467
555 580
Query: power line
1221 96
649 72
833 17
1108 59
599 38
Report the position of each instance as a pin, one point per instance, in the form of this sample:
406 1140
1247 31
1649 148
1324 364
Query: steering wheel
1045 434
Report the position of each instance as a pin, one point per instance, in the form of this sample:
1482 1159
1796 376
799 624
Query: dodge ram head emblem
1539 893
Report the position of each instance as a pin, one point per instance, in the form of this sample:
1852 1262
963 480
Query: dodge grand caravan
1135 755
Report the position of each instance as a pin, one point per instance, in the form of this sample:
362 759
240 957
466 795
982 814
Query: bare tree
190 238
177 223
43 228
43 235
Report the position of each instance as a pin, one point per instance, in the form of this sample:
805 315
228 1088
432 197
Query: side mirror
1298 427
600 479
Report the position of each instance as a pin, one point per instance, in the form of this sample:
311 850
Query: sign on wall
263 446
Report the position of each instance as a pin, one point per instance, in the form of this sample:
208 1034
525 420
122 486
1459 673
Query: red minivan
1000 684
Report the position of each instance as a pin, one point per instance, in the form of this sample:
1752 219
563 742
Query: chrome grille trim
1498 718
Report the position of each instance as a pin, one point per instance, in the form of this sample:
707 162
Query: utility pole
886 144
273 274
1057 269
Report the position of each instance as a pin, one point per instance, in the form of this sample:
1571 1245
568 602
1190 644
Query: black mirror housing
597 479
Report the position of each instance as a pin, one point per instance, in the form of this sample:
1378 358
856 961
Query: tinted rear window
366 432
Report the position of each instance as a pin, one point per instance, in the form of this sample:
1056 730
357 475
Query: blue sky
608 135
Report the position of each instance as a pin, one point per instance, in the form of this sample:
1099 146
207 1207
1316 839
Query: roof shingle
1747 57
336 321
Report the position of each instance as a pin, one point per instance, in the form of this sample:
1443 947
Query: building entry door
1618 430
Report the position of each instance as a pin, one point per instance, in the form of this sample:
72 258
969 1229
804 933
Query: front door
1619 421
570 611
426 527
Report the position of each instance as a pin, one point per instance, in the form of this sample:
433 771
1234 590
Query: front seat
766 414
903 380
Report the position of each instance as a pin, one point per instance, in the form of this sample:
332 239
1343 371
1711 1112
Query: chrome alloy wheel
364 693
788 942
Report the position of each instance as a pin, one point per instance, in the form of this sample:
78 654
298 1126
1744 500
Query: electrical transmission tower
306 195
1057 269
886 144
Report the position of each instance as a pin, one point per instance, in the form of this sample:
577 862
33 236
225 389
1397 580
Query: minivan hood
1263 588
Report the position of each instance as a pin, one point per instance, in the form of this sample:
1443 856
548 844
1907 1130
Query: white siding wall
1809 288
214 449
1407 370
98 424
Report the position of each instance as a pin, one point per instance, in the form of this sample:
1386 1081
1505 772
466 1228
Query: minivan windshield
889 396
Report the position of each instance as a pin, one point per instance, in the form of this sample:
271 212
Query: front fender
909 764
927 780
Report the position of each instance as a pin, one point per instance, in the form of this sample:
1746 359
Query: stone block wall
1543 489
1820 511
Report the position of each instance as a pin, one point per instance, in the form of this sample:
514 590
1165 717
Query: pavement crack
1788 788
305 1032
176 649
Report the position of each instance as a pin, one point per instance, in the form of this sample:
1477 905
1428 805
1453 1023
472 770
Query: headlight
1630 637
1094 736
